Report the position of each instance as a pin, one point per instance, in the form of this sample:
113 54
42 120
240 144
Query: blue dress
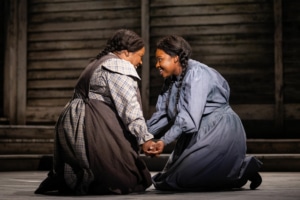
210 150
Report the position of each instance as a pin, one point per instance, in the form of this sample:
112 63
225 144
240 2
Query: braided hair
175 45
122 39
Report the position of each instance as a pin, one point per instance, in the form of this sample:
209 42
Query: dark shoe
239 183
256 180
49 184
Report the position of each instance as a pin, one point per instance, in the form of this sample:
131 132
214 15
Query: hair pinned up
123 39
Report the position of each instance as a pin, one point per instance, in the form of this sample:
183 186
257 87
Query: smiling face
135 58
166 64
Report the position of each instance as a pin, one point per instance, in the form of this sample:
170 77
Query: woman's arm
124 91
192 101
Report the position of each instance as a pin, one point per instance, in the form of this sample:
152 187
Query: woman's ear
176 59
126 52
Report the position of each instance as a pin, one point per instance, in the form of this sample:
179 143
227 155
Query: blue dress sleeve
193 97
159 119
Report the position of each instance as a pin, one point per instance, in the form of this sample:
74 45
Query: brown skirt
113 153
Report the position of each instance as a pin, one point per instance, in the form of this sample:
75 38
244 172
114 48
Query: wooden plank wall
62 36
291 64
236 38
15 60
2 47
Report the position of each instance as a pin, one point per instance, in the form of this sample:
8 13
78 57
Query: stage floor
275 186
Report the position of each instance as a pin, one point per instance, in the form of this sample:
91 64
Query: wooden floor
276 186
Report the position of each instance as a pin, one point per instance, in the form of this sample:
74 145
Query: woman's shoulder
195 64
120 66
197 69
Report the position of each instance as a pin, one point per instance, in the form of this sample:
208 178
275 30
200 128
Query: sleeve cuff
172 134
145 138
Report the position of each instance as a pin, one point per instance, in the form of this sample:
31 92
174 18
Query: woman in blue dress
193 110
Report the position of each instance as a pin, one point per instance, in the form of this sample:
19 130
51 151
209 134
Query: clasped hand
152 148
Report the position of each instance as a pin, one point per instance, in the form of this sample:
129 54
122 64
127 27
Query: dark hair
122 39
175 46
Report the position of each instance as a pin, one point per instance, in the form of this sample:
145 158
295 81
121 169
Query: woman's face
166 64
135 58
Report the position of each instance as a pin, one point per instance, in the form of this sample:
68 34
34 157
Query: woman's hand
148 146
156 149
